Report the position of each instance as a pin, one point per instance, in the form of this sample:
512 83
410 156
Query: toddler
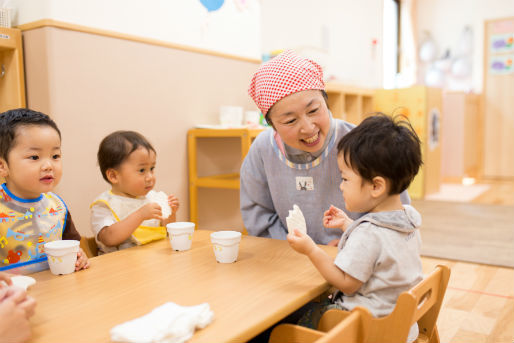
378 254
131 213
30 214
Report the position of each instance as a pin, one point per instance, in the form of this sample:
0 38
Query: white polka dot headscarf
285 74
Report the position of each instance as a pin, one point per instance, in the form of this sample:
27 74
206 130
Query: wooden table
269 281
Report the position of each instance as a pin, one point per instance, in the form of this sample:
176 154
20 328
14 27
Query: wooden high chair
420 304
351 329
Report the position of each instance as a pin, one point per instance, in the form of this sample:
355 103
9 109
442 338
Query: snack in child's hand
21 281
162 199
296 220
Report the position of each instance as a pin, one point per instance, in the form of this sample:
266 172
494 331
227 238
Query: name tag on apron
304 183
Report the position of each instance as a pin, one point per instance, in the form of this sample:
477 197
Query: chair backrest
420 304
88 244
352 329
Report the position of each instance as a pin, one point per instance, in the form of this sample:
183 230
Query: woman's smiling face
302 120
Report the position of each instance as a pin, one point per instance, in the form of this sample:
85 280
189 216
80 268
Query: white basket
5 17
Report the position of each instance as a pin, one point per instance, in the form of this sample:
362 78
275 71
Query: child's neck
116 191
388 203
19 194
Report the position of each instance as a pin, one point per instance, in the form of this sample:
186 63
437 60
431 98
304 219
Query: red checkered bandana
285 74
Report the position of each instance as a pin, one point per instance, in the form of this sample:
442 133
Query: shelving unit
226 181
349 103
12 80
422 106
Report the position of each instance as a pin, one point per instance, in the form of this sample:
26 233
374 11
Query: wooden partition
462 136
422 106
498 95
95 82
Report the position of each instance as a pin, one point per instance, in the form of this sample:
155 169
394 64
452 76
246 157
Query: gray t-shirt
382 250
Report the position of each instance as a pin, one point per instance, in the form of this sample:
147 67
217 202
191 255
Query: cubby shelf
352 104
226 181
12 80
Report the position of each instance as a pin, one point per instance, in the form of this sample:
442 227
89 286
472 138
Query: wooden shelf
228 181
222 181
352 104
12 80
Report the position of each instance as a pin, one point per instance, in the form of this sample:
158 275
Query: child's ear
112 175
4 168
379 186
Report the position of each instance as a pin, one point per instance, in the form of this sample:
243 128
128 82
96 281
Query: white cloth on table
168 323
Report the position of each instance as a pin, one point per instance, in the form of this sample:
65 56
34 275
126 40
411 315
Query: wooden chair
420 304
351 330
88 244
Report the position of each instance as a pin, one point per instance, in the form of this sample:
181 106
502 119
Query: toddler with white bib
131 213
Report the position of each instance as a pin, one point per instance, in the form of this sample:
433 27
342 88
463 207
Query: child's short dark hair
383 146
116 147
12 119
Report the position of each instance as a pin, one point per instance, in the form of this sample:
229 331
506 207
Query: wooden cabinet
218 180
12 81
462 136
422 106
498 99
352 104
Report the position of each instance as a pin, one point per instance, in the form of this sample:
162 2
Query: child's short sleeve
101 216
359 254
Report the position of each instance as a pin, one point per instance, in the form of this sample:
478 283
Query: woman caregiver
296 161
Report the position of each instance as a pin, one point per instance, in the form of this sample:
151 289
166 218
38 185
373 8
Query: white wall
445 20
336 33
233 29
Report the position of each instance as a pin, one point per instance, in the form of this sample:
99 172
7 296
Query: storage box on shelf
227 180
422 106
352 104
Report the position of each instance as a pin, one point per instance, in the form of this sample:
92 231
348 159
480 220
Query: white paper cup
252 117
180 235
62 256
231 115
226 245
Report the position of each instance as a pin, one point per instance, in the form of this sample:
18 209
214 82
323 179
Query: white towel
168 323
296 220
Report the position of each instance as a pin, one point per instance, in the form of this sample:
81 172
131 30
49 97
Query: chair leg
290 333
435 336
422 338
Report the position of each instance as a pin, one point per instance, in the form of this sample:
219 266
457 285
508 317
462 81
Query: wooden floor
479 302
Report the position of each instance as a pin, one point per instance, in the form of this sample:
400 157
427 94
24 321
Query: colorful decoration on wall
502 43
501 65
212 5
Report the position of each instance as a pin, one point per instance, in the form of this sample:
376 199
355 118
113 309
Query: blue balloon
212 5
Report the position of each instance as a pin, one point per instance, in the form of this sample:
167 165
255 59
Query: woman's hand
82 260
335 218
